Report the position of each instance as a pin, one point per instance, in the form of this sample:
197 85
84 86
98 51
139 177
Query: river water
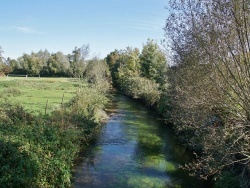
134 149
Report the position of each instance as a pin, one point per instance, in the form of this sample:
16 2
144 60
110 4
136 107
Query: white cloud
27 30
144 25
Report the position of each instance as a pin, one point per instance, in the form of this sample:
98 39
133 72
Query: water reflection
134 150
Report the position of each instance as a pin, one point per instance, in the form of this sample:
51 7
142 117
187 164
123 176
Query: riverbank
39 150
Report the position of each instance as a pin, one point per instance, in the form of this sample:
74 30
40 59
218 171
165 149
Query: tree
97 73
123 62
64 62
43 57
77 60
14 64
153 62
125 69
210 38
111 61
30 64
57 65
112 58
53 66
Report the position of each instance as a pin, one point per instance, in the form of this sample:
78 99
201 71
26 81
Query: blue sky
60 25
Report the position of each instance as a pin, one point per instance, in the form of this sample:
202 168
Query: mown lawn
34 93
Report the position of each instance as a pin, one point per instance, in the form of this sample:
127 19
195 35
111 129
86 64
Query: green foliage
30 64
140 88
139 75
5 69
57 65
88 103
45 64
210 85
39 151
34 153
17 169
153 62
123 61
77 61
97 74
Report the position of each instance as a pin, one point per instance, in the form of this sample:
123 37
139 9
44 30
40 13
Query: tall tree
211 39
112 60
123 62
153 62
77 60
30 64
43 57
97 73
14 64
57 64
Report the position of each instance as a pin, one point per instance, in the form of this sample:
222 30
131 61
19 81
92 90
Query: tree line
45 63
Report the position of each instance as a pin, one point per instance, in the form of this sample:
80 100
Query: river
134 149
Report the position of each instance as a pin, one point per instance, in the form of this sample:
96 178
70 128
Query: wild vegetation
210 85
139 75
38 147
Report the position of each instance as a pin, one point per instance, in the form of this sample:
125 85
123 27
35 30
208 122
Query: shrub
140 88
34 153
40 151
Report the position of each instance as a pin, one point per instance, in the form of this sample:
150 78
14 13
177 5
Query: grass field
33 93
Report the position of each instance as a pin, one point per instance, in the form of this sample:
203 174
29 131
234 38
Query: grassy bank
39 150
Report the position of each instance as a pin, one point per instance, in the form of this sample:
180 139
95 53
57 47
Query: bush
140 88
17 168
40 151
87 103
36 154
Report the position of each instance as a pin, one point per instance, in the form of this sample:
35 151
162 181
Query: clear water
134 149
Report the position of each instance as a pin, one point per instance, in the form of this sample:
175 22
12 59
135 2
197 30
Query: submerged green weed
158 162
146 181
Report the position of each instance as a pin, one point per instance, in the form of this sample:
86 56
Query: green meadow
38 95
